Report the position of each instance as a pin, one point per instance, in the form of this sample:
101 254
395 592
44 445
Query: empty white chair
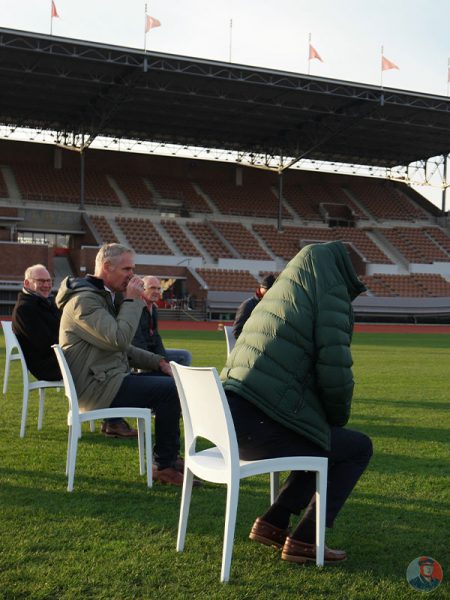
14 352
206 414
231 340
75 418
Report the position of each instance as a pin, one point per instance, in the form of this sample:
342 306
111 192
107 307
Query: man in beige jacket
96 339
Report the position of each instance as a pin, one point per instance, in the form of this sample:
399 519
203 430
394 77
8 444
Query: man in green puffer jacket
289 384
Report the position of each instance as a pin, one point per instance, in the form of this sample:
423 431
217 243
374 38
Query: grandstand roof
73 86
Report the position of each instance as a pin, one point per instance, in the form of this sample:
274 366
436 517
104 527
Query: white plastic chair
231 340
206 414
14 352
9 349
75 420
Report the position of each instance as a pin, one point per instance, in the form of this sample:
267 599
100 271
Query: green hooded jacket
292 359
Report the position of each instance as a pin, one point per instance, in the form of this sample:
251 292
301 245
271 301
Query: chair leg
184 509
141 445
92 426
274 486
24 411
148 450
41 408
6 377
72 459
321 500
230 524
69 438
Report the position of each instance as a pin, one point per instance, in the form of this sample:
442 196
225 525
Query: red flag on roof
313 53
150 23
54 11
448 79
387 64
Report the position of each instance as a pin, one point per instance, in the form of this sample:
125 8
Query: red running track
359 327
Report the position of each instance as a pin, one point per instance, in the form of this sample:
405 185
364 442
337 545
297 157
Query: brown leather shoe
265 533
119 429
301 552
169 475
179 464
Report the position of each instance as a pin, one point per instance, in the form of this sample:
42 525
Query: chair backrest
11 341
206 413
69 386
231 340
12 347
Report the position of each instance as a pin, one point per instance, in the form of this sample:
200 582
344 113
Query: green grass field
112 538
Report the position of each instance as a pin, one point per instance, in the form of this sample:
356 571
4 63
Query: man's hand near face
135 288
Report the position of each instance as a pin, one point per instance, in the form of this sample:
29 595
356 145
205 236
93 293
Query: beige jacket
97 342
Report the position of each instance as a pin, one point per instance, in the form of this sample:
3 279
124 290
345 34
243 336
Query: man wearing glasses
35 321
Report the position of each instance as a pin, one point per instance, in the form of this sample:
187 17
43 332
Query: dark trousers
261 437
160 395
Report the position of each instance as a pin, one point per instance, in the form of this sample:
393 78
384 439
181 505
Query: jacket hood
345 267
71 286
330 262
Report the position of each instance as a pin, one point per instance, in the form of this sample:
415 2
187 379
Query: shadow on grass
400 431
408 404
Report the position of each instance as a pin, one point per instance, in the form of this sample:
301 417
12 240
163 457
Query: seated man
96 339
35 321
246 308
147 335
289 385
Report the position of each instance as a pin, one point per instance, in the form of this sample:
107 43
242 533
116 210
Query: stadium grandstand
210 229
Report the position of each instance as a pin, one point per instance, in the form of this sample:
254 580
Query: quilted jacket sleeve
334 377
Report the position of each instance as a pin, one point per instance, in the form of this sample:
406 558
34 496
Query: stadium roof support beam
432 172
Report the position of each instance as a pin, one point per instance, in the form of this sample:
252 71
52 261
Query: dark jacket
96 339
35 321
293 358
145 339
243 313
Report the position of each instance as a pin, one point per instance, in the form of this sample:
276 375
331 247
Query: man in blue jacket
246 308
289 384
147 335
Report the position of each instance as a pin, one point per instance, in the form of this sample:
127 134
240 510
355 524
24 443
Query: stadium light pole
280 195
445 184
82 150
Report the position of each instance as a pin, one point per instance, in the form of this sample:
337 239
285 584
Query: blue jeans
159 393
182 357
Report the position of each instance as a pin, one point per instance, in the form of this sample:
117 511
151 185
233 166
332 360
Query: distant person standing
246 308
35 321
147 335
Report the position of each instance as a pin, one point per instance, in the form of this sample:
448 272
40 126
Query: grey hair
29 270
109 253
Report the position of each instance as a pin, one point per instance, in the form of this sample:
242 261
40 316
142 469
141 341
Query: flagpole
309 46
448 76
51 17
381 67
231 37
145 28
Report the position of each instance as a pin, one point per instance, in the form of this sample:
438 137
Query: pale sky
348 34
